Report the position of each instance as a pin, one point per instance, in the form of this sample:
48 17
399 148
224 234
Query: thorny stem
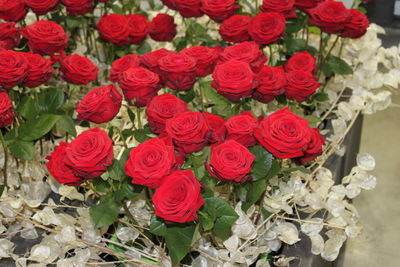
3 143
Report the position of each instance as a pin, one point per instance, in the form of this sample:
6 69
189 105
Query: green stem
138 115
5 159
271 53
323 59
128 213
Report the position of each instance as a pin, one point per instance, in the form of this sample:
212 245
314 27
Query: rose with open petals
241 127
357 26
6 111
41 7
307 4
78 69
150 59
39 70
314 148
271 83
189 8
267 28
149 162
234 29
206 59
170 4
284 7
300 85
13 10
123 64
217 128
178 198
162 28
301 61
13 68
78 7
9 35
114 28
138 28
219 10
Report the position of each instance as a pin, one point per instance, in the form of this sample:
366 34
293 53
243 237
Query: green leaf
179 240
157 226
275 169
336 65
187 96
295 45
180 43
2 187
321 97
222 105
106 212
206 221
22 150
100 185
51 100
34 129
313 121
117 10
254 192
143 48
131 114
142 135
72 23
127 192
67 124
302 169
294 25
116 170
262 163
28 108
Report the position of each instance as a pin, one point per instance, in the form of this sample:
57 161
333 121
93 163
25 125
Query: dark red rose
248 52
179 197
285 7
122 64
271 83
6 111
13 68
330 16
114 28
78 7
267 28
178 71
314 148
300 85
57 167
206 59
138 28
301 61
189 8
39 70
162 108
78 69
216 124
9 35
13 10
103 1
234 80
219 10
241 127
170 4
218 49
150 59
189 132
230 161
41 7
284 134
306 4
234 29
357 26
149 162
45 37
162 28
100 105
90 153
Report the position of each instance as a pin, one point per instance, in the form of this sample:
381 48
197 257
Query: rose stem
5 159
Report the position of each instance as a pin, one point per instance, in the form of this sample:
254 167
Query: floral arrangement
183 132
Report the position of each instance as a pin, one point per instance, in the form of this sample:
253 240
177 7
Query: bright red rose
100 105
162 28
170 4
271 83
189 8
267 28
248 52
306 4
13 68
78 69
138 28
284 134
6 111
122 64
149 162
301 61
206 59
219 10
178 71
39 70
234 29
13 10
178 198
241 127
78 7
150 59
234 80
57 167
41 7
357 26
90 153
217 128
300 85
314 148
114 28
230 161
285 7
189 132
9 35
161 108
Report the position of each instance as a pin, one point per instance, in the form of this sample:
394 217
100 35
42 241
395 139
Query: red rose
178 71
6 111
219 10
45 37
78 69
114 28
267 28
139 85
206 59
9 35
100 105
357 26
248 52
161 108
330 16
13 10
41 7
59 170
90 153
285 7
234 80
122 64
162 28
189 8
241 127
149 162
314 148
170 4
301 61
230 161
234 29
39 70
189 132
306 4
138 28
300 85
150 59
13 68
179 197
284 134
271 83
78 7
216 124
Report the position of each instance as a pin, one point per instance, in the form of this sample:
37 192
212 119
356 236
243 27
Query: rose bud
271 83
206 59
241 127
6 111
357 26
314 148
267 28
78 7
41 7
78 69
301 61
217 128
219 10
300 85
162 28
39 70
189 8
9 35
234 29
123 64
114 28
13 10
13 68
138 28
285 7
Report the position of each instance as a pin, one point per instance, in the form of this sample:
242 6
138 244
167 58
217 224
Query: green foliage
221 105
179 240
36 128
142 135
157 226
295 45
106 212
335 65
67 123
262 164
187 96
22 150
254 190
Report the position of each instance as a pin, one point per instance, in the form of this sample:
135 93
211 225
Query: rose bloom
6 112
357 26
234 29
189 132
301 61
13 68
285 7
271 83
150 59
170 4
114 28
300 85
241 127
219 10
9 35
161 108
137 28
123 64
78 69
230 161
206 59
89 154
100 105
314 148
189 8
39 70
284 134
178 198
41 7
13 10
162 28
149 162
267 28
216 124
306 4
78 7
